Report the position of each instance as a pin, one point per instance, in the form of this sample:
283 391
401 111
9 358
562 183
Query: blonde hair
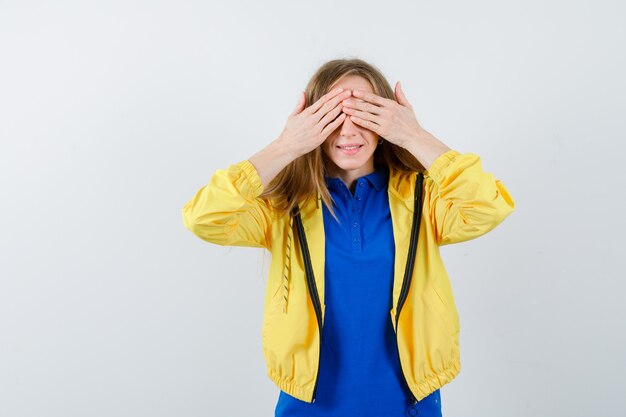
303 178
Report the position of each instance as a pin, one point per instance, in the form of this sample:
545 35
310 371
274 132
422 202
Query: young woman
333 199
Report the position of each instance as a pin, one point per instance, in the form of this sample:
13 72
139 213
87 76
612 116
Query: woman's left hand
393 120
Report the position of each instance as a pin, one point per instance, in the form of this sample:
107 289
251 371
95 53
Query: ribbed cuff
439 165
251 175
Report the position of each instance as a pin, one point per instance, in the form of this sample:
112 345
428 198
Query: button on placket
356 226
356 234
356 229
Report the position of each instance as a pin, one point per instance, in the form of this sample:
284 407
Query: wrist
284 148
425 147
413 140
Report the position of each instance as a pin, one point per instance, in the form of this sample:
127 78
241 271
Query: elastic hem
440 163
433 383
421 390
290 387
251 175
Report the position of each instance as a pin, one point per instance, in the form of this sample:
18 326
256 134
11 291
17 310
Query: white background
113 114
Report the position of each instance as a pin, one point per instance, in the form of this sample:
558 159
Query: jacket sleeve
465 201
227 211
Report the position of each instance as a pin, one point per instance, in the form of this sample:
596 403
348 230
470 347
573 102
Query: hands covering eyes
393 120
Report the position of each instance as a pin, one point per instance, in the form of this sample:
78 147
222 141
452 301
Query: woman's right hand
307 129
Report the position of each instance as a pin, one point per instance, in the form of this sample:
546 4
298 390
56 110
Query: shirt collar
379 178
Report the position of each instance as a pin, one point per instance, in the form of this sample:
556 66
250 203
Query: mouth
349 149
349 146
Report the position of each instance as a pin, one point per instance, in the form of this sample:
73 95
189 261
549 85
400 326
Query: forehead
353 82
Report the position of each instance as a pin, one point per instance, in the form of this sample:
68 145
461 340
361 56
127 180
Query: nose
348 126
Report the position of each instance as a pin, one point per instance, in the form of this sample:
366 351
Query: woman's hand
307 129
391 120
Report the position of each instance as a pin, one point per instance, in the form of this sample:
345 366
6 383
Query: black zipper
312 289
408 272
406 282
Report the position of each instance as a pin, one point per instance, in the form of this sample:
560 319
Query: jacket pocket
435 302
274 301
278 287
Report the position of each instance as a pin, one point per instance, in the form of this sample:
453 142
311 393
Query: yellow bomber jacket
460 202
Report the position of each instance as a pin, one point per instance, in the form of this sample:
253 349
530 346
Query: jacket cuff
439 165
251 178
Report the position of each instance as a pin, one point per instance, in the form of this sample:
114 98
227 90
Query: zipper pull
412 411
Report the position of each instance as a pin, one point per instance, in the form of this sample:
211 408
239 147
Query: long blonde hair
303 178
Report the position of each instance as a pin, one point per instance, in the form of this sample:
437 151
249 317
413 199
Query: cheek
326 146
330 139
371 136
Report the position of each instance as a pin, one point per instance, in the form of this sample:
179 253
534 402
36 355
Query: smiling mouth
350 147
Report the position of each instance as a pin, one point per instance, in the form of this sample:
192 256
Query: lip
348 144
350 151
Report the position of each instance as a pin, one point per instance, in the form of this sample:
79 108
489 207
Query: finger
363 105
331 115
333 125
372 98
331 104
363 115
367 124
313 108
298 108
400 97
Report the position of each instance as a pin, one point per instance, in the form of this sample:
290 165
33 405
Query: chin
347 164
350 165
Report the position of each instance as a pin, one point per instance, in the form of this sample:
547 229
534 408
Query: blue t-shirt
359 373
